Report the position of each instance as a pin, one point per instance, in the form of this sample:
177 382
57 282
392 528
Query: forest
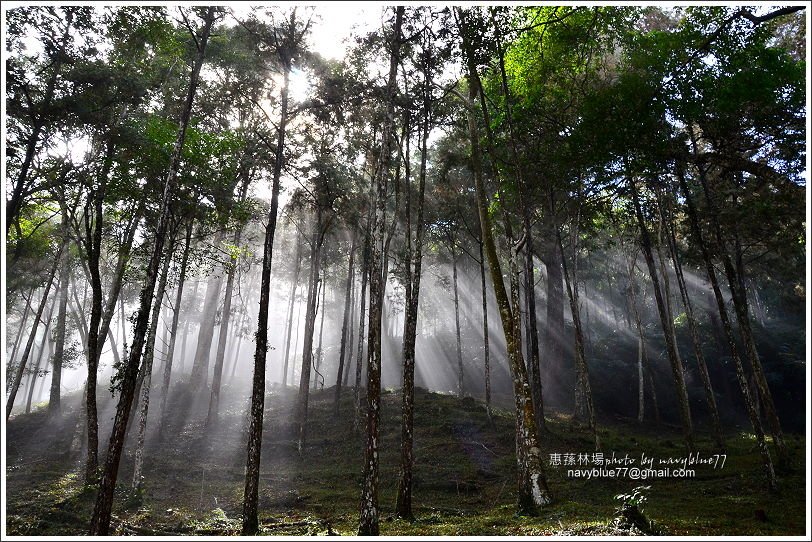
371 269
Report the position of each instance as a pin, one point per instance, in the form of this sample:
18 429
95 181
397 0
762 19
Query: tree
287 41
532 491
368 522
100 521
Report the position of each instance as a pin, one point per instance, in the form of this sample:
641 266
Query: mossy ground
464 477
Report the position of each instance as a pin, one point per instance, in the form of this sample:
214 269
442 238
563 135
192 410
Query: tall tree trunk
356 392
319 350
149 356
173 331
666 323
95 340
291 303
45 345
182 367
460 376
554 328
414 263
18 375
21 329
214 401
527 230
486 340
749 403
345 324
100 520
584 406
533 366
532 491
644 366
309 330
350 334
735 281
368 522
250 521
200 367
54 400
693 327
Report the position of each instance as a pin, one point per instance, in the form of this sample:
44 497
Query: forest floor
464 476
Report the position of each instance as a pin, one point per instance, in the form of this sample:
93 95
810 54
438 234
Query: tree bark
693 328
584 406
485 334
532 491
54 400
667 324
200 367
309 330
173 331
345 325
368 522
749 403
359 354
250 521
291 303
527 230
45 345
18 376
21 329
460 376
149 356
100 520
414 263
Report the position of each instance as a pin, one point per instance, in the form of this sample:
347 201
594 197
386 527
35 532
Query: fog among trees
262 281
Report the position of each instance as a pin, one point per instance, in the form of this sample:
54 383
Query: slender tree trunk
735 280
584 406
667 324
23 322
414 263
182 359
200 367
250 521
359 354
214 401
554 328
351 334
95 340
54 401
710 398
319 350
460 376
291 303
749 403
235 358
345 325
100 520
368 522
149 356
532 492
485 334
534 365
173 331
309 330
45 345
18 375
524 204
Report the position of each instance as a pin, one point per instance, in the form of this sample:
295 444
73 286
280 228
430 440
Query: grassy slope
464 478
